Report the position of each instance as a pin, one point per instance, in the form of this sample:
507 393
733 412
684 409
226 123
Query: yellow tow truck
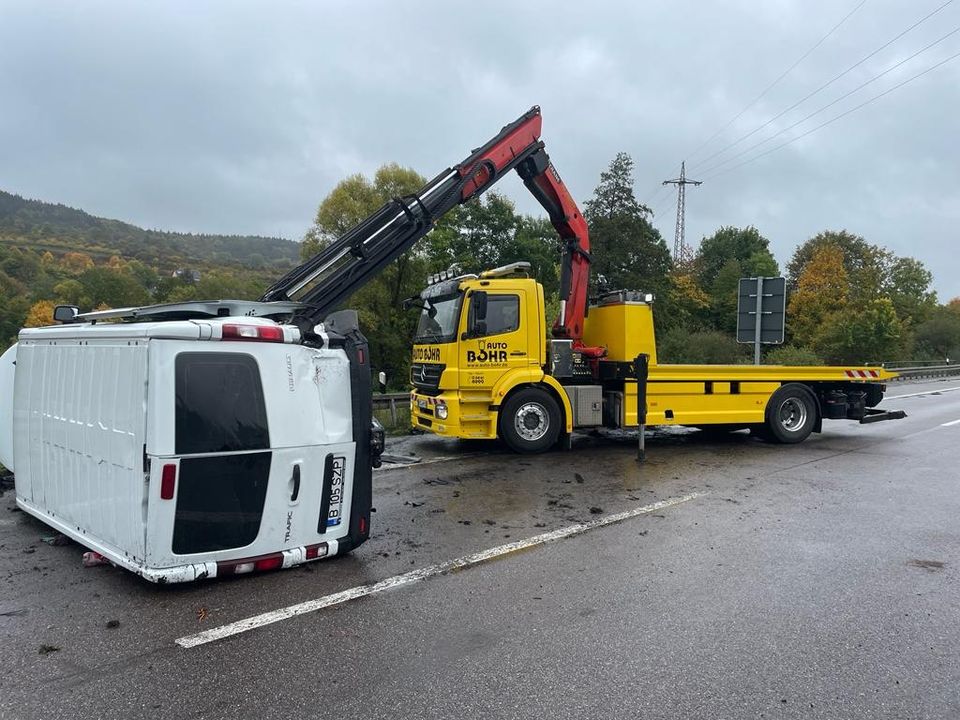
484 368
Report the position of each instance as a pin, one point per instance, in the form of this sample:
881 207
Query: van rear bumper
190 572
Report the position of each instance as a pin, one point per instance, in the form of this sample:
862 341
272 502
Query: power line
847 94
654 198
825 85
779 78
836 117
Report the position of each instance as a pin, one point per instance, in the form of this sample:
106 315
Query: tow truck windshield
438 319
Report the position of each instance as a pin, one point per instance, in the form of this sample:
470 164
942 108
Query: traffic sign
764 298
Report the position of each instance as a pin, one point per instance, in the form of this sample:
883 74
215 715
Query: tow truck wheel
530 421
791 414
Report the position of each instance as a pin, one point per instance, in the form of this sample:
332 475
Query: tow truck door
495 339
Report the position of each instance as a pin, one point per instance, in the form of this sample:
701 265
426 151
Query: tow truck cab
217 444
483 368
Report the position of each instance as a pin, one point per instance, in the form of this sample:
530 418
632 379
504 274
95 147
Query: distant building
187 275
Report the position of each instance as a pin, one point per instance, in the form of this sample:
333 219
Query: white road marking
273 616
926 392
948 424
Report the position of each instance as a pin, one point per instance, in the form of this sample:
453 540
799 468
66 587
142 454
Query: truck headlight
441 410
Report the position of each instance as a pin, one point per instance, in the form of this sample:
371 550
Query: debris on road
596 510
47 649
56 539
400 459
113 624
93 559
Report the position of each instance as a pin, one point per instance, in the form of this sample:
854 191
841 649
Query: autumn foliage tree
821 294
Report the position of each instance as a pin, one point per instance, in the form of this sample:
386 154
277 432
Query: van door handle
296 483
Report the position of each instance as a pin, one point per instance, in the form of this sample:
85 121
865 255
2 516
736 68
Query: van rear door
261 453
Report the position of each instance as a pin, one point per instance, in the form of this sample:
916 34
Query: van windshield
439 319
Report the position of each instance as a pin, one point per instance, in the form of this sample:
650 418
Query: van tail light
247 565
362 525
256 333
168 482
315 551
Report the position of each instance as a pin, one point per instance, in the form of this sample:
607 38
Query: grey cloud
239 117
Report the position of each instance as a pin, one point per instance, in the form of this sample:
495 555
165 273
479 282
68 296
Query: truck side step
873 415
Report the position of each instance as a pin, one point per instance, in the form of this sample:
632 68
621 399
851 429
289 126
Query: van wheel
791 414
530 421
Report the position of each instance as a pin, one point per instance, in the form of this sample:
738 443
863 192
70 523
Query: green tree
487 232
699 347
723 295
907 284
388 327
745 245
114 288
873 334
628 252
219 285
939 336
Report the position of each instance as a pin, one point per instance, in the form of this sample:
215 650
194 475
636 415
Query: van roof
196 309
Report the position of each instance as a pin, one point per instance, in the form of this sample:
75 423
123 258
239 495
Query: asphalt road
813 581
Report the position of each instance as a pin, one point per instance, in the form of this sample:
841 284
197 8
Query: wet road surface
814 581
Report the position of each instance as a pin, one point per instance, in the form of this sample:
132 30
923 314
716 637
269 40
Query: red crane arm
519 146
326 280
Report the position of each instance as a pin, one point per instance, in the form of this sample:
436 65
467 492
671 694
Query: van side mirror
382 381
65 313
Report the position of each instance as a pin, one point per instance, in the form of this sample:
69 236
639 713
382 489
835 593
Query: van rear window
220 502
220 405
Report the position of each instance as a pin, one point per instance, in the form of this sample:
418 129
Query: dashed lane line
415 576
919 394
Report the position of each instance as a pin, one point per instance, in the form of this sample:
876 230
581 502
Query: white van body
179 454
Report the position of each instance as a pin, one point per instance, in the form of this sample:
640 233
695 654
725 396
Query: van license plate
335 514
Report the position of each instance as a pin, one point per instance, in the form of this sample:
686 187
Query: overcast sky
235 117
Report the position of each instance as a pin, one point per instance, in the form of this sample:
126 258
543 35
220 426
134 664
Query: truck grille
426 376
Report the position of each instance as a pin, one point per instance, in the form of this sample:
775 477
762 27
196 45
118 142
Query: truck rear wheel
530 421
791 414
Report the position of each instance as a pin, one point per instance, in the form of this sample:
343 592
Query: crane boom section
345 265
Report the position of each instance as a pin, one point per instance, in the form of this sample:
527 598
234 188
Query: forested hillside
45 226
55 254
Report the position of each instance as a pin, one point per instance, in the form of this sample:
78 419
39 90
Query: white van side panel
80 420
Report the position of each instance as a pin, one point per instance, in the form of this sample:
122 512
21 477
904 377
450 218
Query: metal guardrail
391 401
927 371
909 364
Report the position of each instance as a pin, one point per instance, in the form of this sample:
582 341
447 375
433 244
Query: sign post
761 312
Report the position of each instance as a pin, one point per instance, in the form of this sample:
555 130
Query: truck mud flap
872 415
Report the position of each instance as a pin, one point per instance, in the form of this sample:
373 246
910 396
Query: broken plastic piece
92 559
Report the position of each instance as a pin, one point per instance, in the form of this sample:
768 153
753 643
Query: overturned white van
193 440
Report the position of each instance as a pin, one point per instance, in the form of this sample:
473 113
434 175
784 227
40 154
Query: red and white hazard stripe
862 374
